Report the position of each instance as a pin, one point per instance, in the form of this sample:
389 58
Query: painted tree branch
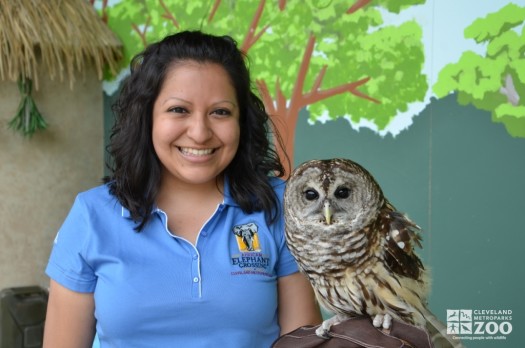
214 8
509 91
359 4
104 12
272 108
142 34
316 95
251 37
300 100
296 102
285 115
266 97
319 78
280 97
168 14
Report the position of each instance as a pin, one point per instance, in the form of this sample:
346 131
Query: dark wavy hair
134 165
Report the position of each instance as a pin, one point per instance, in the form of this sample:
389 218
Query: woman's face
195 123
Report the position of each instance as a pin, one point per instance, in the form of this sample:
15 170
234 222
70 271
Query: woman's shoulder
99 209
96 193
278 185
97 197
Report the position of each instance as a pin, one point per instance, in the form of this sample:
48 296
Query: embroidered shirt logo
247 237
250 260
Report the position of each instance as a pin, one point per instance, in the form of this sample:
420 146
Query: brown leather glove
357 333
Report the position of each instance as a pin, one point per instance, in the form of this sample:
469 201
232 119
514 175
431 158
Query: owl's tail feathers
438 333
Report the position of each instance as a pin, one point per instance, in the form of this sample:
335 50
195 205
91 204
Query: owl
356 249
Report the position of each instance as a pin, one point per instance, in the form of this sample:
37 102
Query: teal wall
461 177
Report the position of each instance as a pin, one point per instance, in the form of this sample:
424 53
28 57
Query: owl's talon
387 321
382 321
322 332
378 320
324 328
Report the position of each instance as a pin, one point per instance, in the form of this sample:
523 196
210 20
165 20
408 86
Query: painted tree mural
494 81
334 59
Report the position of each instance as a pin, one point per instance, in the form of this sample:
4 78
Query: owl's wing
401 235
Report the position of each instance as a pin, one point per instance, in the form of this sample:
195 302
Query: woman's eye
311 195
222 112
178 110
342 192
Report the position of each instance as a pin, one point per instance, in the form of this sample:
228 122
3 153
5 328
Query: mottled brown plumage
354 247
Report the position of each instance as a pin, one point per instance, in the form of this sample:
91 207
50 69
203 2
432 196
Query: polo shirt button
195 257
204 233
195 280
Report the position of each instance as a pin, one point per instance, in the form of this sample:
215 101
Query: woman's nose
199 129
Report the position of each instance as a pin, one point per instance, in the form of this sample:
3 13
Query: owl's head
332 192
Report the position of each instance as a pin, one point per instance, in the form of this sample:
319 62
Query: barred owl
354 247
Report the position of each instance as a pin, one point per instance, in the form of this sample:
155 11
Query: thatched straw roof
59 37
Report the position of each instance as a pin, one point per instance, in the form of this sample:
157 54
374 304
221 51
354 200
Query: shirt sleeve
67 263
286 264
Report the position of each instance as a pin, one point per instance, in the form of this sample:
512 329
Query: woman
184 244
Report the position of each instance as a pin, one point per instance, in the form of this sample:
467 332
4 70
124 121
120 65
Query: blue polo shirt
154 289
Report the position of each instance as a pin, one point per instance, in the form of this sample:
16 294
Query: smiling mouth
196 152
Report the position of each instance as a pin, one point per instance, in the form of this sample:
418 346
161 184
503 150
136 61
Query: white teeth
195 152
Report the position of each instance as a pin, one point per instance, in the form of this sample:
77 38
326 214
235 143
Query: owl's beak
327 211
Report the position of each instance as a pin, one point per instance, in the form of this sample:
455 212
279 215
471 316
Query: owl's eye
342 192
311 195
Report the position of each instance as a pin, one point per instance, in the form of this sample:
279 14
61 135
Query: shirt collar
228 199
125 213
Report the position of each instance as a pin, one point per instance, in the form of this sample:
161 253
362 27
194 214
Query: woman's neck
188 207
179 194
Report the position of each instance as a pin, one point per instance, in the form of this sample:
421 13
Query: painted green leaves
494 81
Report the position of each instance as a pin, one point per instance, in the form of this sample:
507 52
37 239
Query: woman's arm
70 320
297 305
